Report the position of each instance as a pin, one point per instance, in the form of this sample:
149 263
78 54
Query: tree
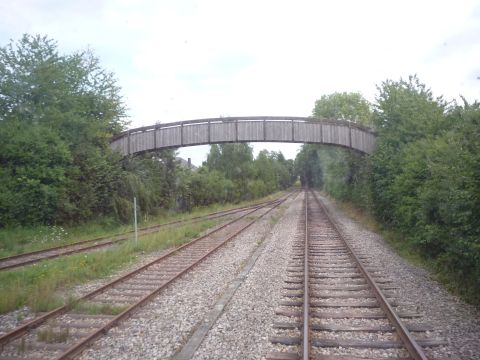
71 104
344 106
436 197
308 166
344 174
405 112
235 162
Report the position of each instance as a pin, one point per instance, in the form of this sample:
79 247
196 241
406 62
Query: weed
96 309
18 240
37 286
22 346
50 336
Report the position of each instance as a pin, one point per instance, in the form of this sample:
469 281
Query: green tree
73 105
344 106
405 112
344 174
436 198
235 162
308 166
32 172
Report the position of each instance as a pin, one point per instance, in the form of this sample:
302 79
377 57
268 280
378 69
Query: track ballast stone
160 328
243 330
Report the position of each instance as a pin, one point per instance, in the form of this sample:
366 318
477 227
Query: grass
98 309
37 286
50 336
25 239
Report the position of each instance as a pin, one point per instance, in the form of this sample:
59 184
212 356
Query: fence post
135 219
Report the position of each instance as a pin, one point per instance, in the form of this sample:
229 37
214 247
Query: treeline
423 180
57 115
230 174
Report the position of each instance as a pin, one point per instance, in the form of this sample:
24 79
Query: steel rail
6 338
81 345
415 350
306 296
124 237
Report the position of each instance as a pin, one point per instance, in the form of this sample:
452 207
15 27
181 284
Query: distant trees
338 171
344 106
423 179
232 174
309 167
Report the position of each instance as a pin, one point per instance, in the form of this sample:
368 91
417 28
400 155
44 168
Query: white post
135 219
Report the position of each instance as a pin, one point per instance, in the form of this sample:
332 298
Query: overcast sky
179 60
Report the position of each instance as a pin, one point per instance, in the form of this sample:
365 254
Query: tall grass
23 239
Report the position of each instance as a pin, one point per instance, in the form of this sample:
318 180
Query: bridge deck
245 129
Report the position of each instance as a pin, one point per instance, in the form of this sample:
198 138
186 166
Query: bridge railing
245 129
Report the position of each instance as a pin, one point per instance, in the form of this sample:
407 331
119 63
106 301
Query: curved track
33 257
66 331
336 307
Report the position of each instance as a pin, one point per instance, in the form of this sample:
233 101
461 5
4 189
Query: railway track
64 332
337 305
33 257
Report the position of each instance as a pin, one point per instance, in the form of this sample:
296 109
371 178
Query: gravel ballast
243 330
160 328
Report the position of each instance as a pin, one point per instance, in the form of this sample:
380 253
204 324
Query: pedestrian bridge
245 129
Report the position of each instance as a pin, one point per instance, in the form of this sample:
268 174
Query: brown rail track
336 307
33 257
64 332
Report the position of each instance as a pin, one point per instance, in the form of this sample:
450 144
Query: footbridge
245 129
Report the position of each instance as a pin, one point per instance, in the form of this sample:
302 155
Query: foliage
340 172
405 112
423 180
57 113
151 178
308 166
37 286
437 199
344 106
231 174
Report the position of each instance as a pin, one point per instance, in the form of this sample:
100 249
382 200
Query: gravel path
162 326
459 322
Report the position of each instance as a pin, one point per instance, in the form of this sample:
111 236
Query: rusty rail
105 240
415 350
64 309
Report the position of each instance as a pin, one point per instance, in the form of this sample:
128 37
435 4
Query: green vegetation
231 174
37 286
19 240
50 336
98 309
57 116
423 181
